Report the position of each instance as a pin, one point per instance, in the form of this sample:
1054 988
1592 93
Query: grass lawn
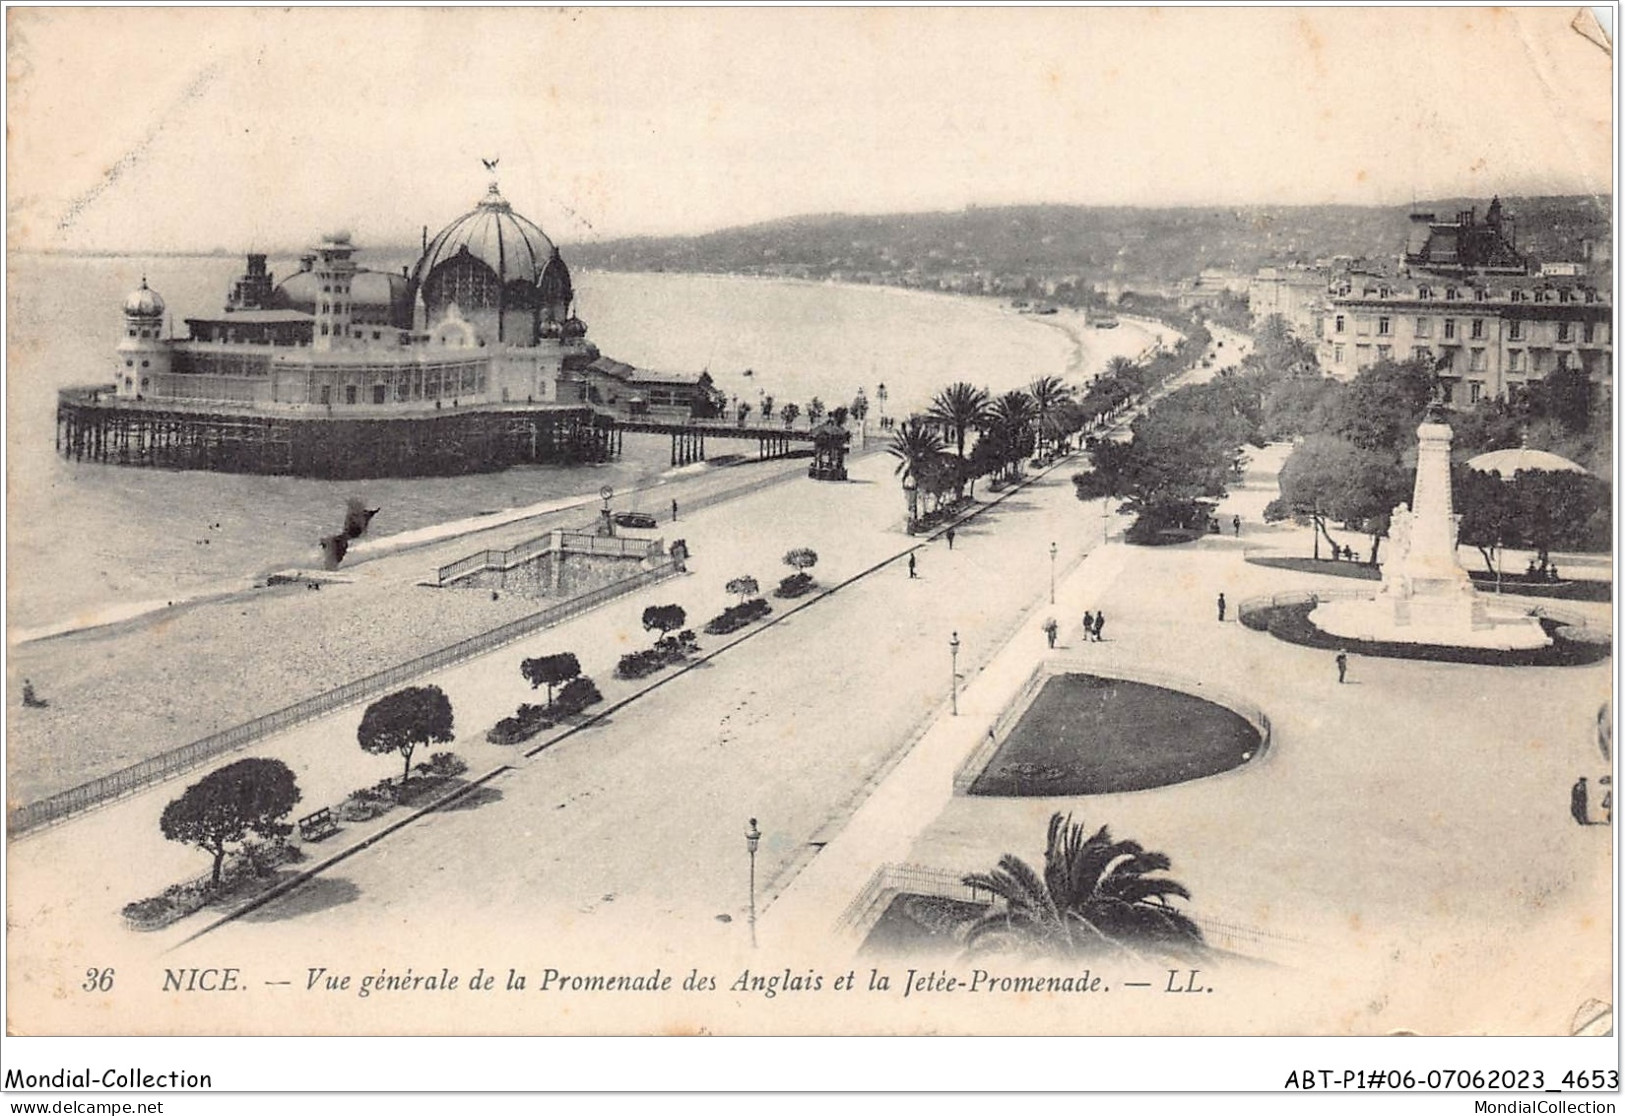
1364 571
1089 735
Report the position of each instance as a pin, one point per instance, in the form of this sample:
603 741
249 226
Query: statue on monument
1399 534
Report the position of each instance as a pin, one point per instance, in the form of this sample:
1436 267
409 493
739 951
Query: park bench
318 826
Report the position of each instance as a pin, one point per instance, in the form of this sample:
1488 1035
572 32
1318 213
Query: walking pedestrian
1607 803
911 572
674 511
1577 802
1342 666
1235 523
1050 629
950 537
1088 626
1221 608
1100 625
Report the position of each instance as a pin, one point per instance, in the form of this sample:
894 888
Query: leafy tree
767 407
248 796
1294 406
790 413
1095 897
745 587
744 413
1385 404
1539 509
550 671
1329 479
1564 395
401 721
1489 513
815 410
838 416
860 406
988 456
663 619
1560 510
1491 424
1109 477
801 559
940 477
1184 449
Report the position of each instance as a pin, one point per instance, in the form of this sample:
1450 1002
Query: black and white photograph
863 522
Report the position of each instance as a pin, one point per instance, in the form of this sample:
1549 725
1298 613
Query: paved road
638 824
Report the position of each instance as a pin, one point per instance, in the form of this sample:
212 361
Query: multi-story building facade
1465 300
1486 340
1298 295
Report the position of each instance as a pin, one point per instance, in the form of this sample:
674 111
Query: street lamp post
753 837
1052 573
953 683
606 494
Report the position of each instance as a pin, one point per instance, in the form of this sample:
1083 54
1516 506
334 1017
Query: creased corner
1585 23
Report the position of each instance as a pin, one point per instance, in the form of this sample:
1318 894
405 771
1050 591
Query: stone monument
1422 582
1426 595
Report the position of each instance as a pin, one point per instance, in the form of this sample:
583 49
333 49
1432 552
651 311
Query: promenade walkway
649 806
1407 834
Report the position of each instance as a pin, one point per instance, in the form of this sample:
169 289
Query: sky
189 128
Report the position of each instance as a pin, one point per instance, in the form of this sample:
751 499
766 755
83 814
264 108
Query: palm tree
1096 896
1010 420
1048 394
960 407
916 446
1119 368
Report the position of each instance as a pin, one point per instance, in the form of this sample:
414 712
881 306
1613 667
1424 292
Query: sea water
84 537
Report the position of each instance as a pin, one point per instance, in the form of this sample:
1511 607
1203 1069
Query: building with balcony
1466 301
1486 340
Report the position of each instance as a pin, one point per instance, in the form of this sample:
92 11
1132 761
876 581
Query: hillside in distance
1048 242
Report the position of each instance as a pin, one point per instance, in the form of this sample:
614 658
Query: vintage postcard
1066 521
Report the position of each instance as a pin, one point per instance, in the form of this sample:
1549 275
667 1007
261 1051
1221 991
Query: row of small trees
1012 427
714 405
254 797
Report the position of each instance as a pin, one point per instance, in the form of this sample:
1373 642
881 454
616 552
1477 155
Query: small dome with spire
144 302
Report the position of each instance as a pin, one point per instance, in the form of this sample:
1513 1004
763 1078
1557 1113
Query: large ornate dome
500 271
512 246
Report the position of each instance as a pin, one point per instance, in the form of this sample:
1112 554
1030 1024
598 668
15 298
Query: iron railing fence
157 768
